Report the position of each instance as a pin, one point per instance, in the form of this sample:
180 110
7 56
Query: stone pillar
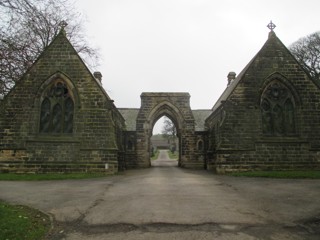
177 107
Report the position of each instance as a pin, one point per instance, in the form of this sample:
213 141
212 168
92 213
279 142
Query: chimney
98 76
231 77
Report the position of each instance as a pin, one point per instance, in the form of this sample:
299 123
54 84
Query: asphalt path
167 202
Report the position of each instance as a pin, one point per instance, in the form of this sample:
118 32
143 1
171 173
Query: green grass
22 223
155 156
49 176
173 155
280 174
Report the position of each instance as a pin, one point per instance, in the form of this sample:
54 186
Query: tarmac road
167 202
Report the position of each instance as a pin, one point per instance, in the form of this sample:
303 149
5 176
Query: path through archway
175 106
164 143
164 160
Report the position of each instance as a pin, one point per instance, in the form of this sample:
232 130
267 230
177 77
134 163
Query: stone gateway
58 118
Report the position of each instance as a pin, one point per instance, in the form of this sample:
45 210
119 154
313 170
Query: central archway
175 106
170 111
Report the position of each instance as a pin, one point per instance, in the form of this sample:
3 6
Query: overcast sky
186 45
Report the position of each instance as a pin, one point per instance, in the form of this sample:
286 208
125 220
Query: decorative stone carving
45 116
277 110
68 116
57 109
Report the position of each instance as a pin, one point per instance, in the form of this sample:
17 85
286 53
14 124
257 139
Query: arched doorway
176 106
164 143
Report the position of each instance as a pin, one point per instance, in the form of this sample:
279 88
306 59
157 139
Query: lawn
155 155
22 223
48 176
173 156
280 174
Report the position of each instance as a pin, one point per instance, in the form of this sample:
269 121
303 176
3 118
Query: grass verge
48 176
155 156
280 174
20 222
173 156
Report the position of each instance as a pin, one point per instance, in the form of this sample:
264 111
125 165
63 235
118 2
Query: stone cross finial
63 24
271 26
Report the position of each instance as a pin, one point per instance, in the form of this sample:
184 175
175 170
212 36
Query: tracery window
56 111
278 110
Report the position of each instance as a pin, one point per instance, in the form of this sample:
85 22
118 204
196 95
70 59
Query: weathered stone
266 120
58 112
58 118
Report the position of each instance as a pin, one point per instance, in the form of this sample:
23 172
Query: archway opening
164 143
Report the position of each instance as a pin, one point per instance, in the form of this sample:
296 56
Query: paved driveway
167 202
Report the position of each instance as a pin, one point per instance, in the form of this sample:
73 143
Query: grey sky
186 45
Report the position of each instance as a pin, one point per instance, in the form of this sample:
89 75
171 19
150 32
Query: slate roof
199 118
130 117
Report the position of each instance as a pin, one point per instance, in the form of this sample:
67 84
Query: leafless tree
307 52
168 128
28 26
169 132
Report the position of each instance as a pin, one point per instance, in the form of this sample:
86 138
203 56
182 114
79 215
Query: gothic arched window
130 145
56 111
277 110
200 145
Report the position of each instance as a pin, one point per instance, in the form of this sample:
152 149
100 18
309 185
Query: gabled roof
199 118
227 92
61 41
62 35
230 88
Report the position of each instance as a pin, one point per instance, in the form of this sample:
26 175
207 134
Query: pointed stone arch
279 103
176 106
56 100
278 77
66 79
169 110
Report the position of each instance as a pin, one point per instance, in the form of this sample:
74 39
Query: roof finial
271 26
63 24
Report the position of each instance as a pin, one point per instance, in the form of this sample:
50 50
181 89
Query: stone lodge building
58 118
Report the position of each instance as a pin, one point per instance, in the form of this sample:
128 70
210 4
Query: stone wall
58 118
175 106
268 117
95 126
267 156
130 155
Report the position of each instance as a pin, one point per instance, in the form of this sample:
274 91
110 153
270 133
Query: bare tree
169 132
169 128
27 27
307 52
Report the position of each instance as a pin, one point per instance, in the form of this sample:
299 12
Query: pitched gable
60 63
272 57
